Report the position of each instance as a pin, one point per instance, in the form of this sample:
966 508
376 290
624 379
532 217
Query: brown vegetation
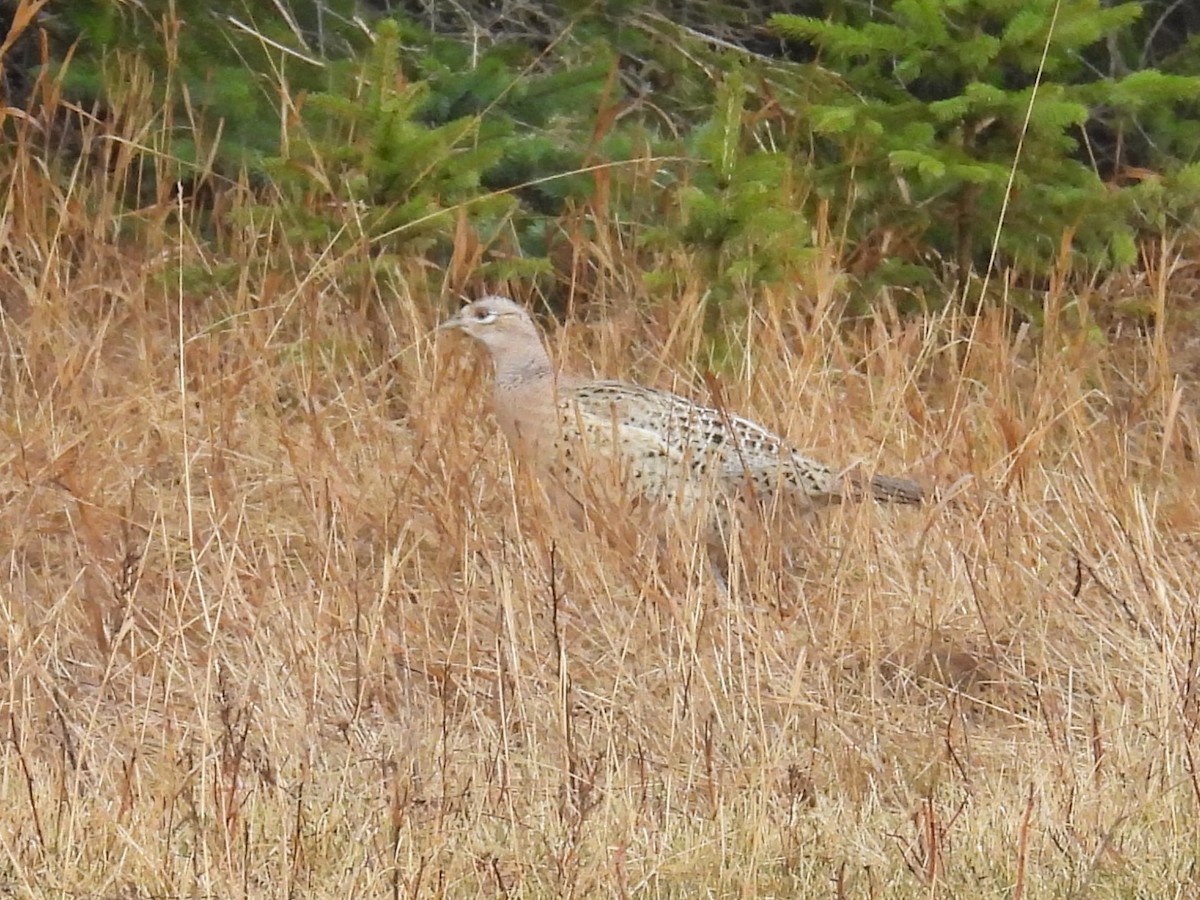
275 619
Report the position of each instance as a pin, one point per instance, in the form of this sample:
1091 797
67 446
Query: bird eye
486 317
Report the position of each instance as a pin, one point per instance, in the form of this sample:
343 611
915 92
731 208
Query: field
281 618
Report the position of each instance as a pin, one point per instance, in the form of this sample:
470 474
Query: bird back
667 438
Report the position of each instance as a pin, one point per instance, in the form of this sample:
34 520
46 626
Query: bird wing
626 427
734 451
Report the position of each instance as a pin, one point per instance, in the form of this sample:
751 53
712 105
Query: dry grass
279 618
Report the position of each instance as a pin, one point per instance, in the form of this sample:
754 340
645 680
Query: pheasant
590 438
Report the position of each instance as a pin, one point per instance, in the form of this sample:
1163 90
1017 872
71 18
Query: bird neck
529 368
524 396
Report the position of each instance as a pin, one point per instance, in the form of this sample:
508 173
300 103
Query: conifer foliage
928 135
943 100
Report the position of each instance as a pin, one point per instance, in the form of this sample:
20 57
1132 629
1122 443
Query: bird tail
896 490
881 488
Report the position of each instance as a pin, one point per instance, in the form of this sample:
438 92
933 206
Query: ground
280 617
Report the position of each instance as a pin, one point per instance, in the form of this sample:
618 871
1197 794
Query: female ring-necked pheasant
585 435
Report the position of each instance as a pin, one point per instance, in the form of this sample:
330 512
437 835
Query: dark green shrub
218 67
741 206
936 106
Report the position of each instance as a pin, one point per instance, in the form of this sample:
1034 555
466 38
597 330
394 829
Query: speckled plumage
652 444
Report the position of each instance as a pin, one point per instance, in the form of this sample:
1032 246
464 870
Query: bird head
507 331
495 322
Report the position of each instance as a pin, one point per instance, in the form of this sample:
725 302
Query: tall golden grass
279 618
